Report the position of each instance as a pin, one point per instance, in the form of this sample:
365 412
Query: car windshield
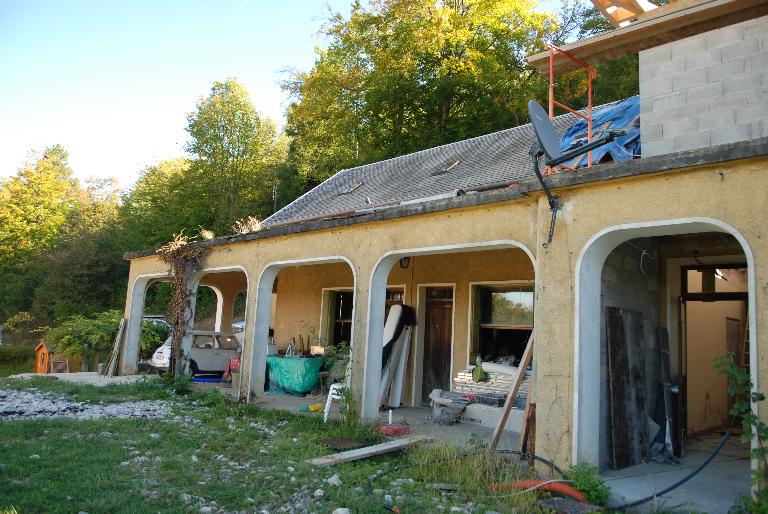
228 343
203 342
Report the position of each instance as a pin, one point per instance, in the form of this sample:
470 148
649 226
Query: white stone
319 493
341 510
334 480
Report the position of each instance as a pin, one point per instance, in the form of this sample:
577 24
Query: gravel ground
32 403
90 378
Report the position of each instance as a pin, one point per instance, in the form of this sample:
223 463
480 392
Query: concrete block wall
628 285
705 90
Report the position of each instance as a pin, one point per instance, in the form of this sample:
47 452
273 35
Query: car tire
193 368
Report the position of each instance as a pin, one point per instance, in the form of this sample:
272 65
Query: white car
210 352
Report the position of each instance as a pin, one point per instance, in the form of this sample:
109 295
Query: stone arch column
587 318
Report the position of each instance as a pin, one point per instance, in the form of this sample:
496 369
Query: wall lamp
405 262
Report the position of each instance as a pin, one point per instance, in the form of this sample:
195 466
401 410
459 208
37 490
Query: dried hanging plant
246 225
185 261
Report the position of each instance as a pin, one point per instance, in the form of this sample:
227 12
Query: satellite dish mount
548 145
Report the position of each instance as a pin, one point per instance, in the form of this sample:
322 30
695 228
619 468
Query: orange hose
552 487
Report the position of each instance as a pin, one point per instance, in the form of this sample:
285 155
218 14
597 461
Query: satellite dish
549 141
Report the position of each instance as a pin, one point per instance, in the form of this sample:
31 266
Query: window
502 321
394 297
342 316
507 309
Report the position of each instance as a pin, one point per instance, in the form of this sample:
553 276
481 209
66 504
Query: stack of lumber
497 383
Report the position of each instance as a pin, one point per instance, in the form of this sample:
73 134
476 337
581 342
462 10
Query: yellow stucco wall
300 292
735 193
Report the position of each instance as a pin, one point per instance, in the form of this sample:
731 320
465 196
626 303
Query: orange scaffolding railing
591 74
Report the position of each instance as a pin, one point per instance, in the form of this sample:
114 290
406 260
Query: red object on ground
552 487
234 365
394 430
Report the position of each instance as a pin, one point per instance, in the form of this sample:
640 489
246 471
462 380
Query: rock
456 509
334 480
341 510
319 493
186 498
193 458
154 435
205 510
34 456
290 469
388 498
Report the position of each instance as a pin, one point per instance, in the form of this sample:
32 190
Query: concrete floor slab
713 490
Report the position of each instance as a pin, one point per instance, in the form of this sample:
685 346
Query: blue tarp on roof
620 115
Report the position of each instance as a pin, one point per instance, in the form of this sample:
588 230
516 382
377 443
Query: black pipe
679 482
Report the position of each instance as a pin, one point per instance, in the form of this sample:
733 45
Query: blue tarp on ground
624 114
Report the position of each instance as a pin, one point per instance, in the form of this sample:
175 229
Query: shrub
84 337
587 480
153 335
17 354
740 389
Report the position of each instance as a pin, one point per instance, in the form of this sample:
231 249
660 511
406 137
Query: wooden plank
368 451
626 380
512 396
663 25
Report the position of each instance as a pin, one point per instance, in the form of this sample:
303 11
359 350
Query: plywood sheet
626 377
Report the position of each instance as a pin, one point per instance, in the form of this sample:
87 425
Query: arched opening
304 318
657 305
462 297
213 341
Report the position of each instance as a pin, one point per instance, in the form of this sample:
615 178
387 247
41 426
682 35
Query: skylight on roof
448 166
351 188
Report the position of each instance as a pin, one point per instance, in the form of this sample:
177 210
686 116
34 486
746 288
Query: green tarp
294 375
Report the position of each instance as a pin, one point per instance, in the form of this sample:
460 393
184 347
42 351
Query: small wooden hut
43 357
45 362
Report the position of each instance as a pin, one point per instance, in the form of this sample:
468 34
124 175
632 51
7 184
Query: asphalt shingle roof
500 157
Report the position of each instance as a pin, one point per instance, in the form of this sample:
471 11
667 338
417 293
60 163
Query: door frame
418 346
673 268
324 327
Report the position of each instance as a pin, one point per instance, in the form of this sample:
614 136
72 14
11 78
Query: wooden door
438 331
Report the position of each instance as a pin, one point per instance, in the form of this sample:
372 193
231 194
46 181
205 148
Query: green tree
161 204
85 272
399 76
235 151
35 205
403 75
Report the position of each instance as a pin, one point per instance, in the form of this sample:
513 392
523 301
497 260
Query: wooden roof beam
665 24
620 12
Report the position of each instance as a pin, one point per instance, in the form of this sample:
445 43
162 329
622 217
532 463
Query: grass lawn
221 458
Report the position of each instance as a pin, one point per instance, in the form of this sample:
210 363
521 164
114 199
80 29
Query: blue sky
113 81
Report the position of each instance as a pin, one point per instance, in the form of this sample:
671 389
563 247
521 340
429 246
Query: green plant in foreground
744 398
587 479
